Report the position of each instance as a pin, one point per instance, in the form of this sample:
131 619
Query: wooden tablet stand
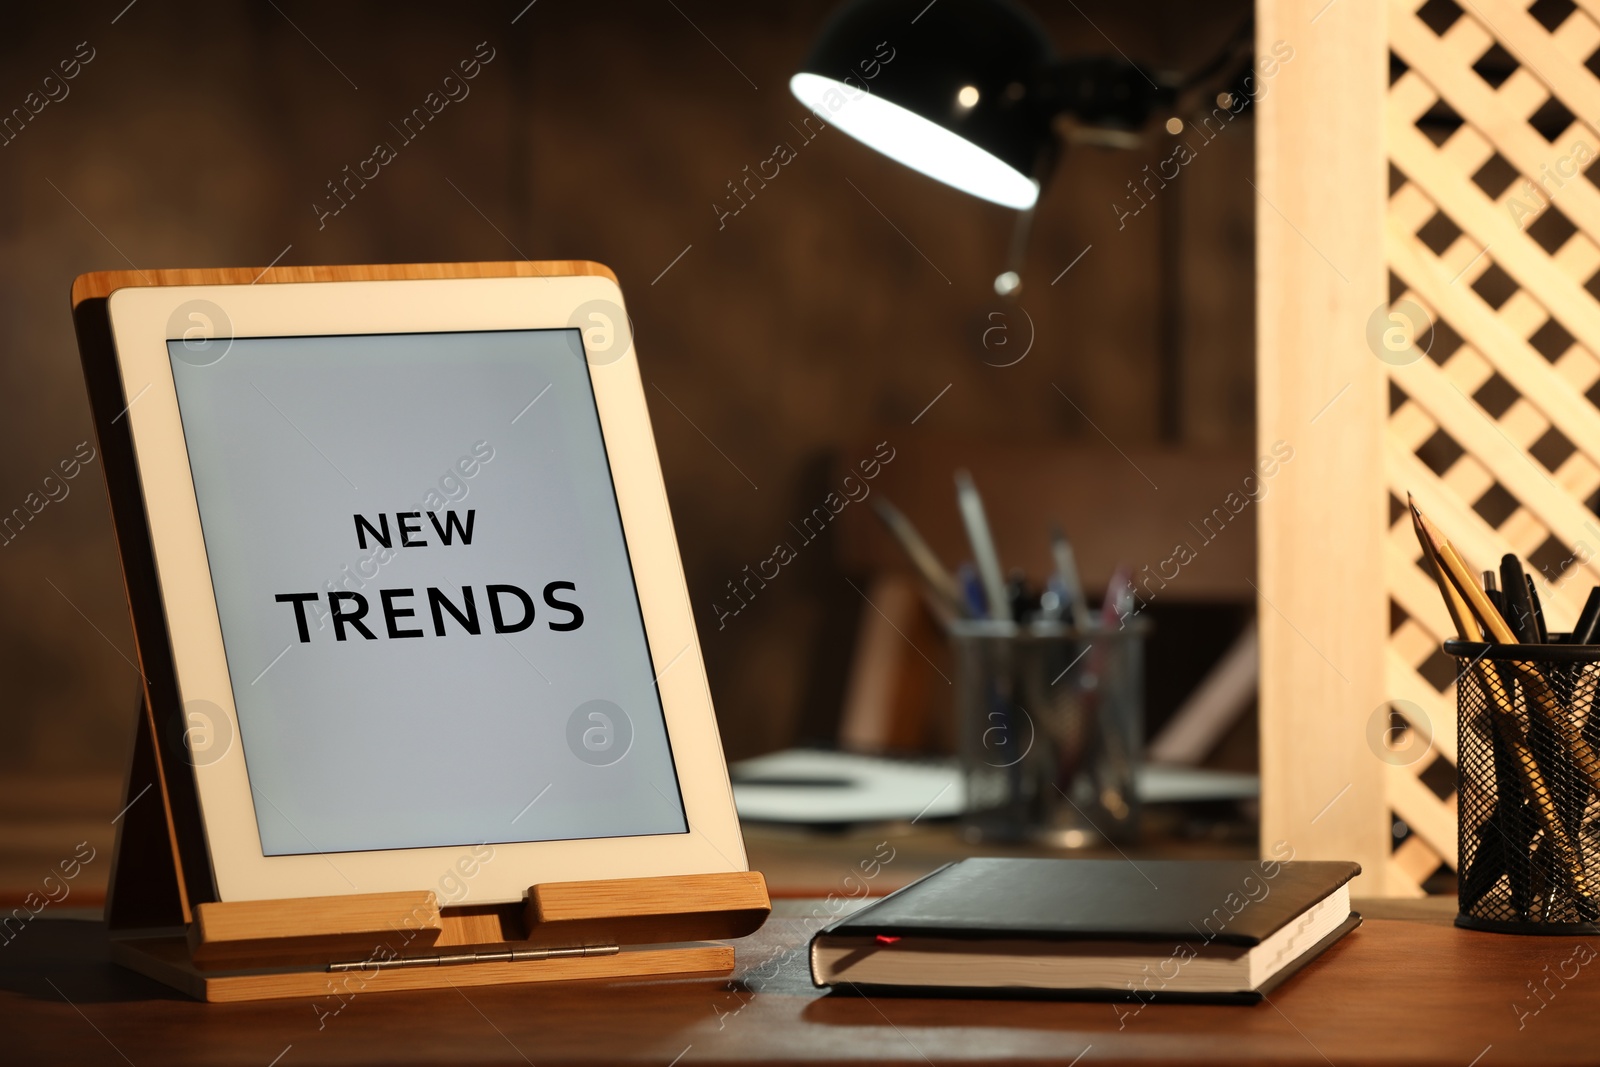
335 947
163 920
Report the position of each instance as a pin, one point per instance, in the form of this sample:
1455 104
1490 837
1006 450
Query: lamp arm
1102 91
1111 93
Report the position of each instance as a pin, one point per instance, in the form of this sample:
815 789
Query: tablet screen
429 615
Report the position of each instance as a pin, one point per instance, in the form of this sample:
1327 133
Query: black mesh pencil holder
1529 796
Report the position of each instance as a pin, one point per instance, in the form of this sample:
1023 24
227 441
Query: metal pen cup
1050 722
1528 801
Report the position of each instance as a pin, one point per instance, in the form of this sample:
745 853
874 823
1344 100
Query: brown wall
842 300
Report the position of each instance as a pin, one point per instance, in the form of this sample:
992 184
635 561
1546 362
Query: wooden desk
1409 990
42 817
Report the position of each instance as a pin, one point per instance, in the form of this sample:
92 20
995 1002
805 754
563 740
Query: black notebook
1226 930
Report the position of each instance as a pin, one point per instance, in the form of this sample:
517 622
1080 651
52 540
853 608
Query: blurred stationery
1048 693
817 787
821 787
1224 930
982 589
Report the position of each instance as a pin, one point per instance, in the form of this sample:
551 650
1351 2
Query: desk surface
1403 990
42 817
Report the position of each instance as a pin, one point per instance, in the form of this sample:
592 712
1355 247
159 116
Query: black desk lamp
971 92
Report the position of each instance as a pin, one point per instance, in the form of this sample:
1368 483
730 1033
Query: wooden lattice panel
1493 230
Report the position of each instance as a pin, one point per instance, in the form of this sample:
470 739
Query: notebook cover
1244 996
1233 902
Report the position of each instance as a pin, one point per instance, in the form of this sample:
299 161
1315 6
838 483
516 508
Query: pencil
1460 575
1466 626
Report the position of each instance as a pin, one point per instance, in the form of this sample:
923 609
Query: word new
52 90
410 128
410 524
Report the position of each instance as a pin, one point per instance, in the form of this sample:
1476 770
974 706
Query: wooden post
1321 391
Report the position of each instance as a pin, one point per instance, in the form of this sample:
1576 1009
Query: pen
1492 591
1519 608
984 555
1497 600
1053 600
972 596
1583 631
1543 635
1024 603
1076 607
1118 604
1115 610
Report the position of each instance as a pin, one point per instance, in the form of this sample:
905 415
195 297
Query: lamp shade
951 89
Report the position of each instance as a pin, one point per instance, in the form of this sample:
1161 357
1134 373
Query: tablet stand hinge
515 955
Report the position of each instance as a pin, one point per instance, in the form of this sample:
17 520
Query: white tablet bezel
140 319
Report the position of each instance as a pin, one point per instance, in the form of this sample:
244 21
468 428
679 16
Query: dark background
825 316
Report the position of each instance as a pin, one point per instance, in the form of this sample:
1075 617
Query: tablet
426 613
